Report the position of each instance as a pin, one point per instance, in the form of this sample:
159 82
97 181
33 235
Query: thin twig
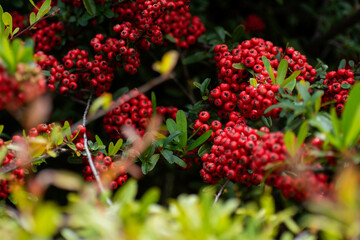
32 25
88 154
221 191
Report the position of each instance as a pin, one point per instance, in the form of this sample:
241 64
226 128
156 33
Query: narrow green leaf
281 72
171 137
200 140
220 32
204 87
351 117
335 123
302 134
268 68
127 192
2 26
171 158
253 82
240 66
1 128
342 64
153 102
289 140
45 7
238 32
117 147
3 153
32 2
204 149
66 130
7 55
181 123
90 7
171 125
290 81
15 31
7 19
111 149
303 91
52 154
146 167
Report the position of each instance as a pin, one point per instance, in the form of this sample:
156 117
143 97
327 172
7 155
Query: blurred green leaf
351 117
289 141
281 71
171 125
268 68
90 7
200 140
181 123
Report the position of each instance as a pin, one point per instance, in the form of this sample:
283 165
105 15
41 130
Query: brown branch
32 25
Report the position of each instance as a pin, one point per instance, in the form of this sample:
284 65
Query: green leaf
342 64
204 149
32 2
289 140
302 134
7 19
171 137
238 33
127 192
171 158
52 154
335 123
7 55
117 147
170 38
110 149
204 87
220 32
240 66
109 13
153 102
351 117
90 7
100 143
181 123
281 72
303 91
3 153
200 140
195 58
268 68
253 82
2 26
66 130
148 166
45 7
290 81
1 128
171 125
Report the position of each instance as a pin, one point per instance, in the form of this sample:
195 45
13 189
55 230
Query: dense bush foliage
179 119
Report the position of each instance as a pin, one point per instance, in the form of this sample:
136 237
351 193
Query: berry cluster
25 85
13 179
236 90
113 49
270 154
204 124
134 113
108 170
230 155
45 37
337 87
250 53
253 23
97 74
151 20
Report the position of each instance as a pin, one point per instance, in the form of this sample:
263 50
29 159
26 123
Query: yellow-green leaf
167 63
103 101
